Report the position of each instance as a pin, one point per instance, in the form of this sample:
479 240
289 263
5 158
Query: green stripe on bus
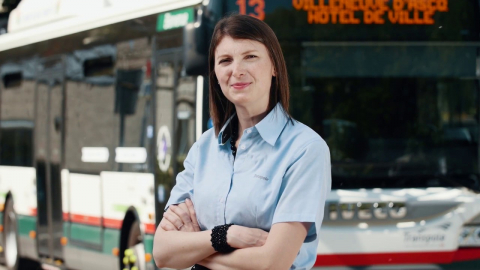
26 224
86 233
148 241
111 240
1 218
66 229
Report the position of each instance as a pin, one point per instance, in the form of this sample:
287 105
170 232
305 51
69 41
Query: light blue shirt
281 173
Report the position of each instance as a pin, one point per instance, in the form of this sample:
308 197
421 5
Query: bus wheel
134 255
11 237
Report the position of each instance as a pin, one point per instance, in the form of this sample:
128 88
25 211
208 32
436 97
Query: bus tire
10 237
132 251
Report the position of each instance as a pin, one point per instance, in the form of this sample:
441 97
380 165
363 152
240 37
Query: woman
256 169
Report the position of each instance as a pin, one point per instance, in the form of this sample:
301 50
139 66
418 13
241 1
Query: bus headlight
469 236
477 235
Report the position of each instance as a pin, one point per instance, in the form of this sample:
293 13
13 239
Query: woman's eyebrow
228 55
249 51
222 56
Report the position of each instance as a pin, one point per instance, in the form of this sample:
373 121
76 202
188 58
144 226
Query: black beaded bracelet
219 239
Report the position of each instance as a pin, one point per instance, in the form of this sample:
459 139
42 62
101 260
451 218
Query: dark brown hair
246 27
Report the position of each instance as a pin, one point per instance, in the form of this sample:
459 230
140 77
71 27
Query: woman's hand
244 237
181 217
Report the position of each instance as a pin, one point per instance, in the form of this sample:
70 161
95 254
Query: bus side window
101 66
12 80
16 123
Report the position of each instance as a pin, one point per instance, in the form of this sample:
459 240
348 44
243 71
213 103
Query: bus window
16 116
17 143
102 66
12 80
402 137
133 104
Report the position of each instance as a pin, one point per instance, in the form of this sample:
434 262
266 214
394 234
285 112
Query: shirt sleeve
183 188
305 187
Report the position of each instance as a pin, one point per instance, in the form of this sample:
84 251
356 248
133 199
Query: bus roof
92 20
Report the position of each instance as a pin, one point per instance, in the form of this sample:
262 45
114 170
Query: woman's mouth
240 86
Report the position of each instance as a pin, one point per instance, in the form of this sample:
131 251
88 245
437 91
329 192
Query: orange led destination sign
412 12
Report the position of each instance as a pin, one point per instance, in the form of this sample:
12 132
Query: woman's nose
238 69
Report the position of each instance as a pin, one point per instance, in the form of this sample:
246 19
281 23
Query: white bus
100 102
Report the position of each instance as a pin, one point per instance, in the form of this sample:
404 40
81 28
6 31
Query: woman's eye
251 56
223 61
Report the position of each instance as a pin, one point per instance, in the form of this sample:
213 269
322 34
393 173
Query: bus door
49 156
174 120
167 71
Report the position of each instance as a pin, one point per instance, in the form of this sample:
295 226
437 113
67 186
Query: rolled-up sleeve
183 188
305 187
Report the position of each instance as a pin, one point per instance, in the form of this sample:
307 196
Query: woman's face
244 71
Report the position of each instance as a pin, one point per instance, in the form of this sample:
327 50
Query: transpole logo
426 236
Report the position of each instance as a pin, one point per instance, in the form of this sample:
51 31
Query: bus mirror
195 49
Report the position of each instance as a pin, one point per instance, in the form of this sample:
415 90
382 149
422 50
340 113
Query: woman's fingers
167 225
193 215
182 217
173 218
182 212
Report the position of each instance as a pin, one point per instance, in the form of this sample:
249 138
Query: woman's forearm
176 249
247 258
279 252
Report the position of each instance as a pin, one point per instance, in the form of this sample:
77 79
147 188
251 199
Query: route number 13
258 5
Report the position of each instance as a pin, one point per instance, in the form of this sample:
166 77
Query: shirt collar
224 133
269 128
272 125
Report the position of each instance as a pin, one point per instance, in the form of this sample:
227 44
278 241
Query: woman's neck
248 118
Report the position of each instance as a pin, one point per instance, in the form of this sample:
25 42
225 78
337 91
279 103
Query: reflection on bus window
17 143
398 132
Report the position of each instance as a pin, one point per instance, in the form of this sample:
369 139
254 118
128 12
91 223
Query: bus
100 102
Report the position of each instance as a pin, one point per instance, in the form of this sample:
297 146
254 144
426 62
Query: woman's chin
241 101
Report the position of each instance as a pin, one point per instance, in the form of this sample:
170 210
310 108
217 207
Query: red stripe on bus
33 211
466 254
149 228
89 220
112 223
364 259
66 216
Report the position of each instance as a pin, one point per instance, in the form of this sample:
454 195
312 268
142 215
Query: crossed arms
179 243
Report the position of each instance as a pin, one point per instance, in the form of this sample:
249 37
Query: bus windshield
390 85
398 132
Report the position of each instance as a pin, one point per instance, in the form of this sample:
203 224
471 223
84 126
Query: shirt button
249 131
243 147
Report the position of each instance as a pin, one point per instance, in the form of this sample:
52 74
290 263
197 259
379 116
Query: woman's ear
274 74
